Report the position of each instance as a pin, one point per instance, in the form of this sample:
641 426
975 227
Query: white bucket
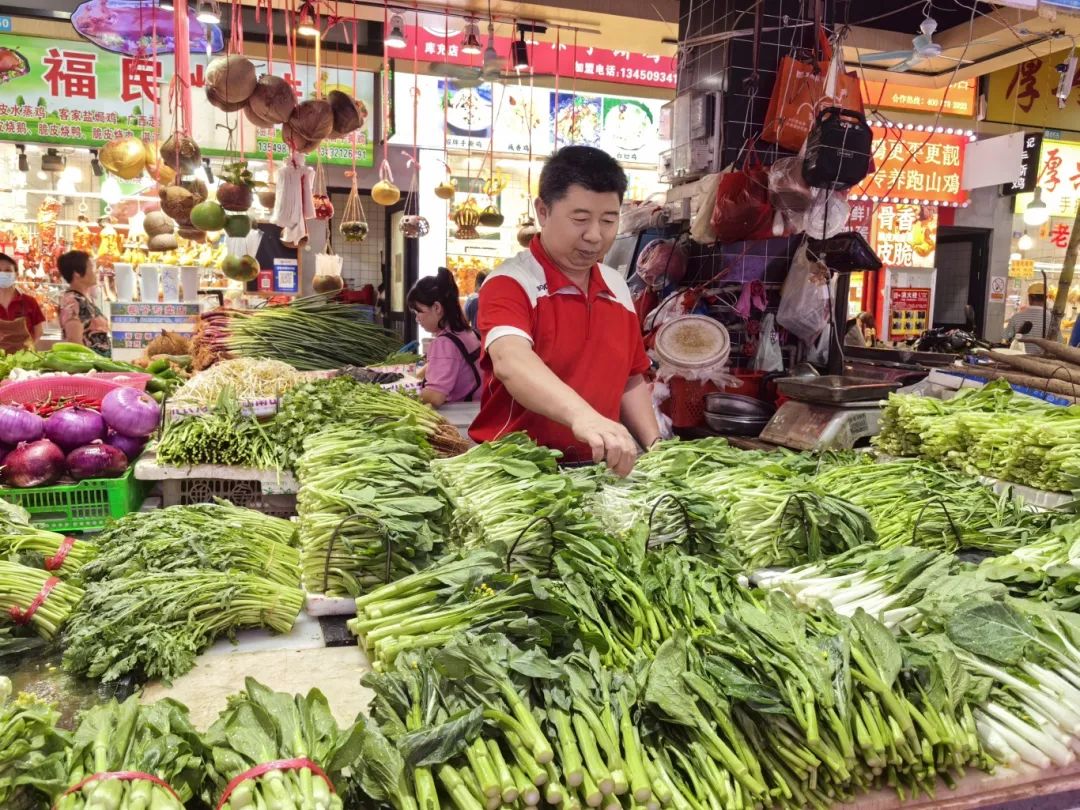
148 283
170 284
125 282
189 283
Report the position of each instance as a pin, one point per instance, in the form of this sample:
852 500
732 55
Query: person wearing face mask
563 354
450 374
21 319
80 319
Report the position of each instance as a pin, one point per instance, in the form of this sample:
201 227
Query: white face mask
7 279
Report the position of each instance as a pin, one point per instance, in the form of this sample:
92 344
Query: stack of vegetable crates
83 507
248 493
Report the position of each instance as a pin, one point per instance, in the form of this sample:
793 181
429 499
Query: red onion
34 464
19 425
96 460
127 445
130 412
73 427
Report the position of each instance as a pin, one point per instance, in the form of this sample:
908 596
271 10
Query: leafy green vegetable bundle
31 750
918 503
369 507
22 542
1047 569
31 596
224 436
339 401
990 431
153 624
208 536
768 510
273 750
126 756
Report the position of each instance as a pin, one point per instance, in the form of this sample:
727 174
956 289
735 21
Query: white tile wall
363 260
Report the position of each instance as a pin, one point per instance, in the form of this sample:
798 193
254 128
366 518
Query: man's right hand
610 442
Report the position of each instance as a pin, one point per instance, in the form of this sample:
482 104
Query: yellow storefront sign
1058 177
1022 268
1025 94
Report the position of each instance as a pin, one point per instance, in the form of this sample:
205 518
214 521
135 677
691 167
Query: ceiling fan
493 67
923 49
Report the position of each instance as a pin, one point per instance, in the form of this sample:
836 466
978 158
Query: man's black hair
73 263
586 166
5 259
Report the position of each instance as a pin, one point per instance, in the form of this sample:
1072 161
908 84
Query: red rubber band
20 616
123 776
57 560
277 765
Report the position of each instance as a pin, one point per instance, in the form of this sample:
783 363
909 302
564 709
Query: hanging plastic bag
768 356
804 298
742 210
660 263
828 214
787 190
701 230
818 353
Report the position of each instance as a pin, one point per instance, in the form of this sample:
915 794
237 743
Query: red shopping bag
742 209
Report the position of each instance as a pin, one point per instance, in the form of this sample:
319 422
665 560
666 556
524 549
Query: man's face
579 229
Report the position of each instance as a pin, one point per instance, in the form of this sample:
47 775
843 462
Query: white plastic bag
701 230
768 356
828 214
660 394
818 353
804 298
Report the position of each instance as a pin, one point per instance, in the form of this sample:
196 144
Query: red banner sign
597 64
916 167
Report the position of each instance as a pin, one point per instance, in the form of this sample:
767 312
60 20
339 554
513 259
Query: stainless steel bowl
737 405
736 425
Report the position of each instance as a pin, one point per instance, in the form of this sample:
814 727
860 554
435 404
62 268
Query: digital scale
827 413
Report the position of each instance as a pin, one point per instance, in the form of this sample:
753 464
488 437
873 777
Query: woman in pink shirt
452 372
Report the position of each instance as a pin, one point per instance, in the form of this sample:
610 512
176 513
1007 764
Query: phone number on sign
643 75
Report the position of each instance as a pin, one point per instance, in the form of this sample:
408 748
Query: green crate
85 506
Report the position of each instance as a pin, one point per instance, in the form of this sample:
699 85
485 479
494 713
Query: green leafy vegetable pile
156 741
31 750
363 496
219 537
990 431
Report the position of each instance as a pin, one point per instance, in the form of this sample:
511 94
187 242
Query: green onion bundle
309 334
225 436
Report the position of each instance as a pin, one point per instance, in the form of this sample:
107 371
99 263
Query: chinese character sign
916 166
956 99
1058 174
909 312
905 235
599 64
1025 94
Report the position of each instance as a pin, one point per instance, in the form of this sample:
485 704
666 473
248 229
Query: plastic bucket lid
692 342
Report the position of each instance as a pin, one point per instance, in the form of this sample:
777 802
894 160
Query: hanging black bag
838 150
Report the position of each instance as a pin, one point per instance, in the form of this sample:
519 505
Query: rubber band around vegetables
277 765
123 776
56 561
20 616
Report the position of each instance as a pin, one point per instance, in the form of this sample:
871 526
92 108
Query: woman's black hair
73 262
442 289
5 259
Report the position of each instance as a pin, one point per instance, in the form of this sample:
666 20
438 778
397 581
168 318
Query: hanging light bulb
165 5
472 39
1015 257
305 25
209 12
1025 243
73 173
520 53
1036 213
396 37
66 186
111 192
491 56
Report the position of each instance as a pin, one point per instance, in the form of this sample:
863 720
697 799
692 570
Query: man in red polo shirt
563 356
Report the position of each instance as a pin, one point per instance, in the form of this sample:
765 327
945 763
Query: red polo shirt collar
557 280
